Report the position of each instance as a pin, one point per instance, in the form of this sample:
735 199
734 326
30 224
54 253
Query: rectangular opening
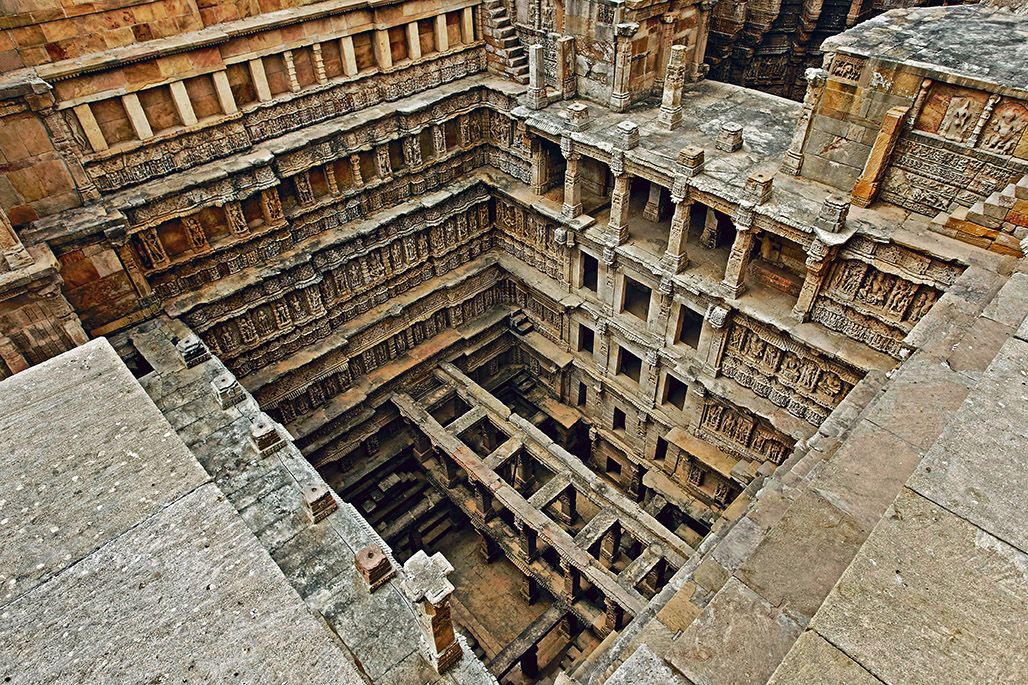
629 364
426 35
583 395
332 59
160 109
303 65
613 467
398 43
277 75
203 97
586 337
660 452
674 391
689 325
241 84
619 420
453 28
636 299
364 51
590 268
113 121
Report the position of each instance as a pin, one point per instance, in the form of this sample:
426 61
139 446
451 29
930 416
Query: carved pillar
536 77
467 25
528 541
572 185
180 97
712 336
319 63
617 226
484 501
12 356
412 151
676 258
635 481
538 159
614 616
442 36
610 545
385 167
698 69
566 504
355 167
620 94
866 187
817 268
330 179
793 159
572 581
425 584
522 471
670 116
567 79
739 257
449 469
651 212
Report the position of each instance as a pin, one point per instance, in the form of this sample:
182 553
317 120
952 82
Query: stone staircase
998 224
520 323
504 52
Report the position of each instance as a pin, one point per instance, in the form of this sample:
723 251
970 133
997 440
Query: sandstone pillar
426 586
566 505
817 268
487 549
567 78
467 25
671 102
294 83
383 52
676 258
224 92
614 616
90 128
530 589
442 36
620 94
617 226
866 187
349 57
572 581
610 545
260 79
136 116
651 212
529 541
413 41
793 159
536 77
739 258
572 186
180 96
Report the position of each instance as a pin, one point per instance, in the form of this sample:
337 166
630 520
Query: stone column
467 25
617 226
484 501
676 258
528 541
567 501
538 171
487 549
567 78
90 128
153 248
712 336
442 36
536 77
610 545
698 69
426 586
620 94
572 581
530 662
319 63
651 212
866 187
304 192
348 56
817 268
14 252
224 92
12 356
793 159
260 79
180 96
330 178
136 116
294 83
449 470
383 52
413 41
670 116
530 589
572 185
614 616
355 167
739 258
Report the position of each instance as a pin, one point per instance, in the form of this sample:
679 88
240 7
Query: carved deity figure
1004 130
957 122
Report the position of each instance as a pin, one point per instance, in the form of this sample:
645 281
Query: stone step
1021 188
978 214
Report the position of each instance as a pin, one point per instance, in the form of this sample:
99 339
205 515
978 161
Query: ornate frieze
741 432
788 373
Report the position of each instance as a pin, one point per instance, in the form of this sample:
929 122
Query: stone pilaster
793 159
427 587
671 101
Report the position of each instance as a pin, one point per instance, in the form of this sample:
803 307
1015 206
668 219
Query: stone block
318 502
729 137
627 133
813 661
264 436
374 566
228 390
193 351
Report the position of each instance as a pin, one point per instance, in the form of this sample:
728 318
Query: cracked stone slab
813 661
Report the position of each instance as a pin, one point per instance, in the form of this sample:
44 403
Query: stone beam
503 662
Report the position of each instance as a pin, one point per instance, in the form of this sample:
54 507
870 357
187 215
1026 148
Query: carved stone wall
740 432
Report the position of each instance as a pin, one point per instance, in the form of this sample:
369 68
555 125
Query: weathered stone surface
739 638
645 668
812 661
931 598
